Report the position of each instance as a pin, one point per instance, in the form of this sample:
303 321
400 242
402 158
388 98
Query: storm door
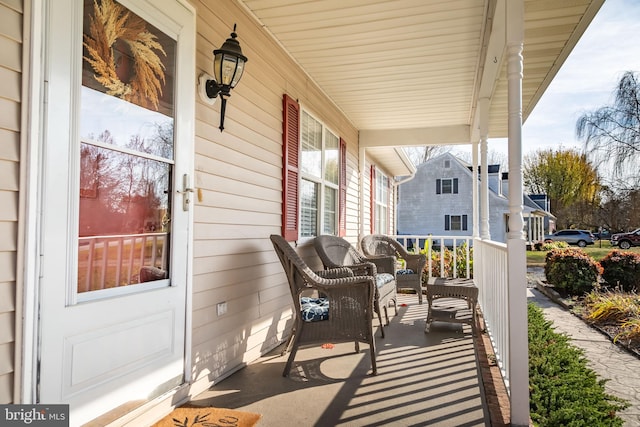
117 160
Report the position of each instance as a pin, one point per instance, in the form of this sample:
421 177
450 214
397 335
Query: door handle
186 192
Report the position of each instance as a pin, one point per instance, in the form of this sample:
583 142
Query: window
319 157
314 176
381 204
447 186
455 222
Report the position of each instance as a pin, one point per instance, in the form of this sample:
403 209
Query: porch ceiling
409 72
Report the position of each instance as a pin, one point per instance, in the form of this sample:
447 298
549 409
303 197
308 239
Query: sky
587 80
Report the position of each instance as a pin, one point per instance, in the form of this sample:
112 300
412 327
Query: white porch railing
436 246
487 264
493 297
111 261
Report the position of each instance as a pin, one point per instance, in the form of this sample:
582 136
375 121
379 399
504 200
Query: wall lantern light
228 65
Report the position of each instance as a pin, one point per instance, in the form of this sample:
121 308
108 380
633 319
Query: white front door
115 228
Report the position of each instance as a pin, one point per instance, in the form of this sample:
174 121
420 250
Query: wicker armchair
411 275
350 304
337 252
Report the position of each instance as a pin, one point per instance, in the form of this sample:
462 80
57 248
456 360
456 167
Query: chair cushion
406 271
314 309
383 278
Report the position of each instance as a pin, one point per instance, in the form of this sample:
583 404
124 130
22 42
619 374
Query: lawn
597 252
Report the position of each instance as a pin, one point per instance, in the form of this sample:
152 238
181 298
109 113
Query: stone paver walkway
621 368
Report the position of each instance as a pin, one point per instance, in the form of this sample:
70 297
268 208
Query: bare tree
419 155
494 157
611 134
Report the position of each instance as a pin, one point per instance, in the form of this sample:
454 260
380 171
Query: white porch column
516 254
474 186
541 229
483 106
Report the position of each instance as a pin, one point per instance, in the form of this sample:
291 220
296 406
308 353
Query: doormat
207 416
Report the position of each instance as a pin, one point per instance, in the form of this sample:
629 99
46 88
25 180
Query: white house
438 201
135 262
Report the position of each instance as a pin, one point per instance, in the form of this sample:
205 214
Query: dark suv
626 240
581 238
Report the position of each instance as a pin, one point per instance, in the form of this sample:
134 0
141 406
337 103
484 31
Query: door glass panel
127 149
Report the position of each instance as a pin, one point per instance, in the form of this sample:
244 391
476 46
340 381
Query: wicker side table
464 289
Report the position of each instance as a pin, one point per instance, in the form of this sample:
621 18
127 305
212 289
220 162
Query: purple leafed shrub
571 270
622 269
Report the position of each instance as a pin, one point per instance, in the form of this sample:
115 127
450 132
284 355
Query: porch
374 77
423 378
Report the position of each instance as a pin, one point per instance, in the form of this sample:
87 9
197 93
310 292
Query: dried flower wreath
113 29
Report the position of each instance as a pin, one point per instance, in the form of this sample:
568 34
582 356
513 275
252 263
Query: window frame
464 222
291 171
382 190
322 183
454 183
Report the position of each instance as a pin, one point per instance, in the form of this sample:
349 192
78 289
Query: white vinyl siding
10 104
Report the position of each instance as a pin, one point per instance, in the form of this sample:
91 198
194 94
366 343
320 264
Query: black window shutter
447 222
455 185
464 222
438 186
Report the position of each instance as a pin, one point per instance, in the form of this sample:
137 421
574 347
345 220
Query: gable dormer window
447 164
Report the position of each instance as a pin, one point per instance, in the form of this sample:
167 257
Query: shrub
622 269
447 270
461 261
617 309
554 245
436 255
563 391
629 331
571 270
